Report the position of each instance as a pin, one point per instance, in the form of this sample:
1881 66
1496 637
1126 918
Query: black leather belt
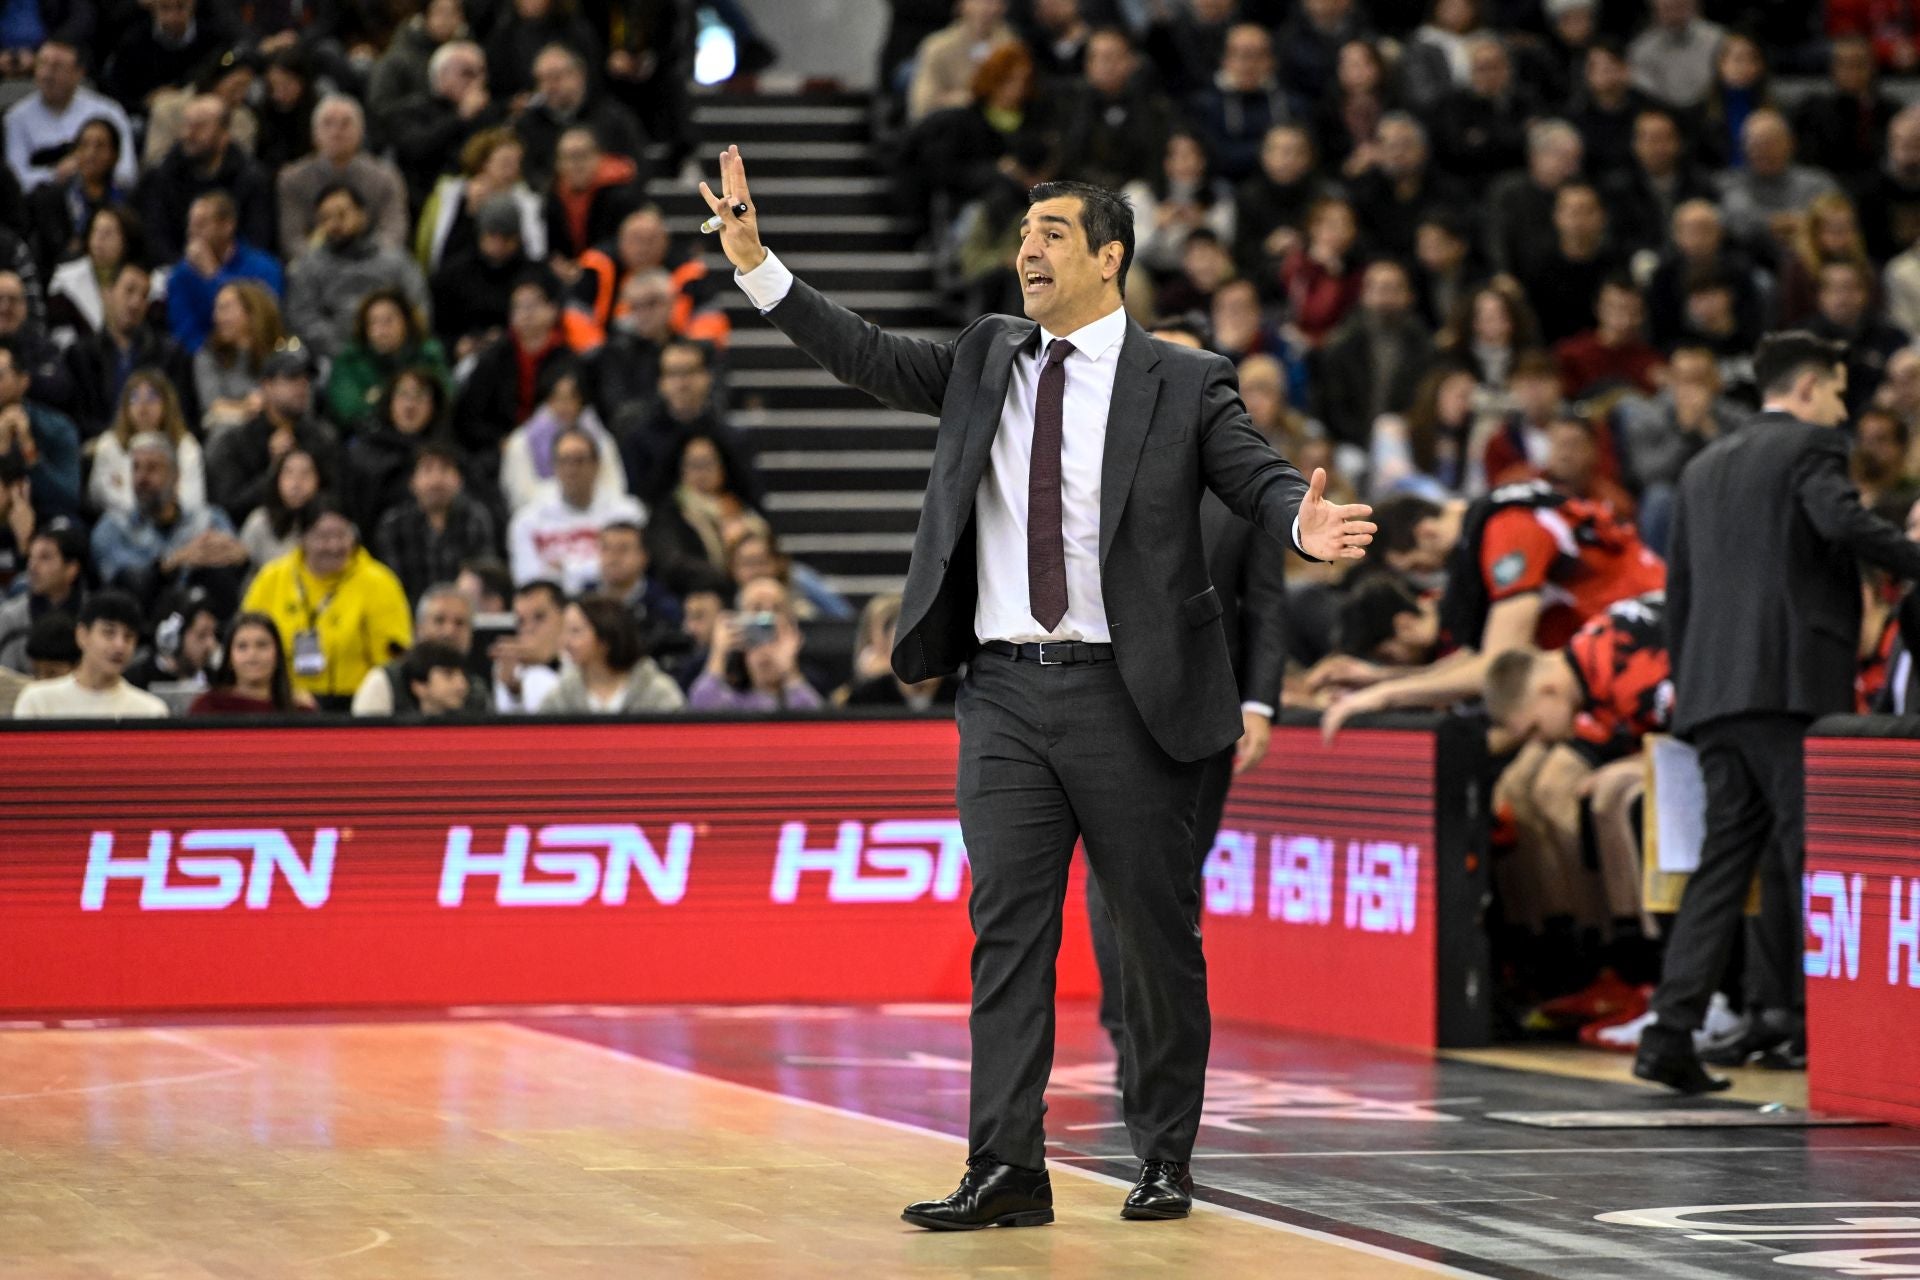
1051 653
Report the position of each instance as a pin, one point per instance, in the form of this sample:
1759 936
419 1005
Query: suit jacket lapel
1135 388
983 420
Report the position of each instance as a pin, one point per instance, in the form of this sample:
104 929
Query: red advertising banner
392 865
1862 890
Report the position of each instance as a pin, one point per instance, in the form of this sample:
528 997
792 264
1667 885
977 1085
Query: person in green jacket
389 335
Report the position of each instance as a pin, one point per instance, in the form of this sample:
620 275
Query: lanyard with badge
309 659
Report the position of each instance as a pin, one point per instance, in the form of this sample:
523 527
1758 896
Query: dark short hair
1365 619
427 657
112 606
1505 691
543 587
1781 358
1105 216
700 349
98 122
51 639
439 451
540 276
493 573
338 188
220 204
1397 520
624 526
615 628
67 538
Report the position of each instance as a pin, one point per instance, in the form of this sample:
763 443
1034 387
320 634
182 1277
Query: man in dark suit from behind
1763 622
1059 556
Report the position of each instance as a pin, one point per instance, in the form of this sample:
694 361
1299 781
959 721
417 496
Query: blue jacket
55 478
190 295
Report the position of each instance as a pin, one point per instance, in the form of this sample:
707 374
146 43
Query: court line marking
233 1066
1488 1151
1200 1206
379 1238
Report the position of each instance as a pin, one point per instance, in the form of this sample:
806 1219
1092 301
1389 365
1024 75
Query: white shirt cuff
1258 708
1296 520
766 287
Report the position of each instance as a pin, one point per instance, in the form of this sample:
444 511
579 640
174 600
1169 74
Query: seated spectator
752 552
487 584
16 520
1185 197
641 246
1740 88
880 687
42 437
1844 313
229 367
76 291
339 158
203 162
56 565
345 264
286 108
436 680
1428 450
1446 270
1614 354
557 534
705 595
1239 327
214 258
108 632
650 432
41 127
160 544
753 663
1520 223
277 525
1115 125
472 291
1057 35
411 413
341 613
1878 465
610 672
390 337
433 127
426 537
1433 64
101 366
1890 199
624 577
230 77
164 47
1245 100
1321 277
185 644
1481 128
1770 185
946 60
1268 216
59 211
1489 331
33 350
503 388
526 665
522 31
238 461
593 192
1846 123
1900 389
1374 362
1641 198
1664 433
953 154
1347 120
1673 58
449 226
564 101
1398 190
527 463
699 518
1700 247
443 619
1309 45
401 72
1517 449
1605 109
1563 282
52 652
626 368
1205 265
252 677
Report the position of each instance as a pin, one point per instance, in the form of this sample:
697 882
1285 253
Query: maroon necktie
1046 553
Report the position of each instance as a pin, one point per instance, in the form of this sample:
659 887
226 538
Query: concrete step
811 197
909 308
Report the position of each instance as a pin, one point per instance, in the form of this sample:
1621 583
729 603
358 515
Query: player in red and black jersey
1608 688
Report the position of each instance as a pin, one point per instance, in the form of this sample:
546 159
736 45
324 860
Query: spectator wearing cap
593 192
438 527
214 257
443 622
339 137
240 461
564 100
491 164
1245 100
42 127
608 672
56 565
1755 198
556 536
159 543
503 387
107 631
43 438
473 290
344 265
186 642
101 364
431 128
205 160
165 46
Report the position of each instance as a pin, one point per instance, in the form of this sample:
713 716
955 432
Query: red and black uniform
1577 553
1626 678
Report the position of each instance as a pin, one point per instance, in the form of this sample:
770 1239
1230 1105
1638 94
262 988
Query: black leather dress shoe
1666 1057
1165 1190
991 1194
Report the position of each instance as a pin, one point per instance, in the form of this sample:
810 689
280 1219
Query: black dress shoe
1666 1057
991 1194
1165 1190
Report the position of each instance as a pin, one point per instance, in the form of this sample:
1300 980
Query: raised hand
1331 531
739 232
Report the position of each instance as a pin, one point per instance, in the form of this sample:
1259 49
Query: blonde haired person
148 402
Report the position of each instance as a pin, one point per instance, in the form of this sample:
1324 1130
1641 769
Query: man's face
448 619
1109 64
13 306
1487 70
1437 248
202 127
48 575
288 395
462 69
207 221
173 17
1285 156
1248 63
93 153
1578 217
443 692
1059 274
538 623
435 484
576 158
1843 296
56 74
532 315
1571 456
1656 144
685 383
1403 153
1903 142
1877 444
649 304
623 558
1696 230
1606 74
1385 292
700 611
153 481
576 468
753 563
643 241
1555 160
1673 13
336 130
1852 66
444 20
106 647
1547 709
340 218
1768 144
559 81
1620 311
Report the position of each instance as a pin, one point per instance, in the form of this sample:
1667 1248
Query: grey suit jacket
1176 427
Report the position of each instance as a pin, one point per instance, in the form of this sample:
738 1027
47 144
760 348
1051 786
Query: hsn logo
210 857
1836 925
582 861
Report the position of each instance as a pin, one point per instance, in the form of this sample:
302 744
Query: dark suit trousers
1756 820
1214 783
1049 755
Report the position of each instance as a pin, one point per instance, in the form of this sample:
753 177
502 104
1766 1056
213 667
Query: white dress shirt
1000 504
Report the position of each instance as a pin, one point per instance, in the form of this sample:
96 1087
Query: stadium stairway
844 473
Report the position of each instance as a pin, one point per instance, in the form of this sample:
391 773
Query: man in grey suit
1059 555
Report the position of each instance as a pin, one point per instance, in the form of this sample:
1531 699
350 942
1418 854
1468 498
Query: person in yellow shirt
341 613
